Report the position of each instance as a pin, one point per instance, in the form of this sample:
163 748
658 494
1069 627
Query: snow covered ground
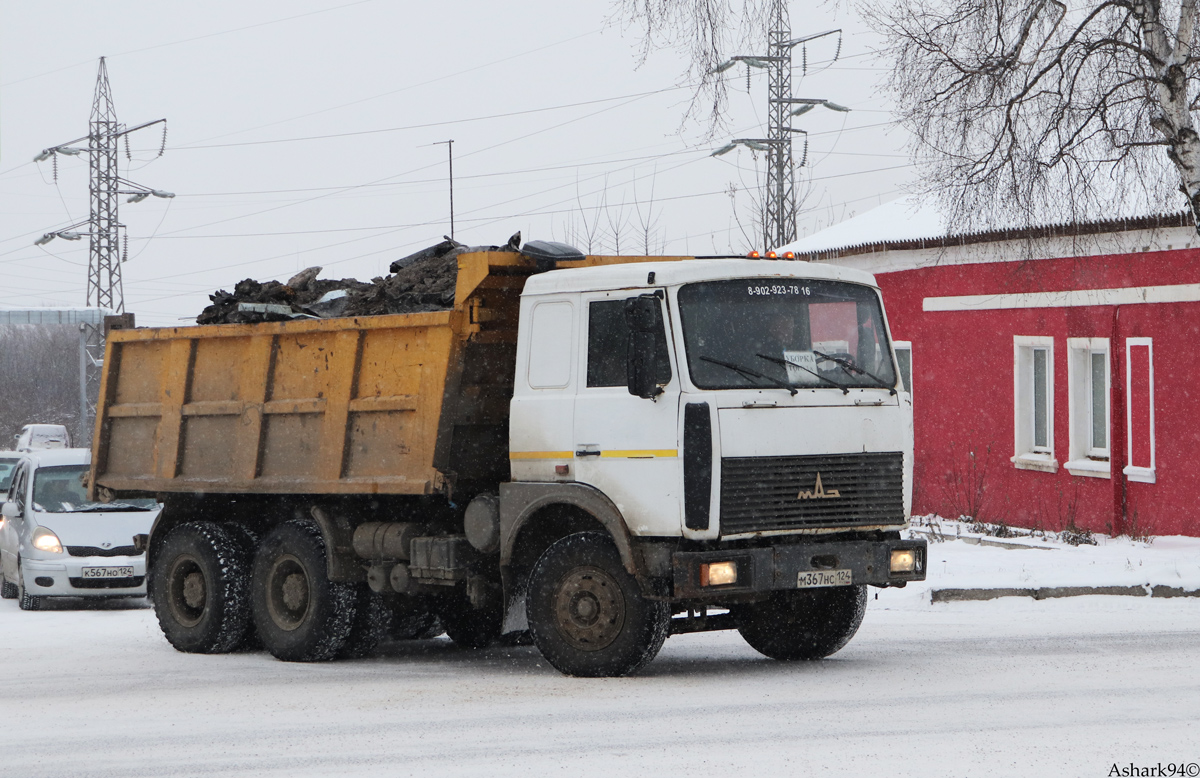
1014 686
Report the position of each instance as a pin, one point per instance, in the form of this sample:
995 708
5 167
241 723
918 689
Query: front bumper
64 577
762 570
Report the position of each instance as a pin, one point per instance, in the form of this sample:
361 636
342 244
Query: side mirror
9 510
642 316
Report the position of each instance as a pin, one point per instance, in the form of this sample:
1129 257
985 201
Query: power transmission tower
779 202
104 287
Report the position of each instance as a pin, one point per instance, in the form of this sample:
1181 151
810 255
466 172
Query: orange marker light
789 255
753 255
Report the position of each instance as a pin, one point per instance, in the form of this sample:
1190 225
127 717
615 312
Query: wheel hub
193 590
287 592
187 590
589 608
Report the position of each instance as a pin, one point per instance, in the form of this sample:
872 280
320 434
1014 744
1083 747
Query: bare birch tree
1027 110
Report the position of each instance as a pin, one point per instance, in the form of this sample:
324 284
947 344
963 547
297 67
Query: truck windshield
61 490
803 333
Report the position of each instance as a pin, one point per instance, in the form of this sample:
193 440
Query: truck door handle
587 453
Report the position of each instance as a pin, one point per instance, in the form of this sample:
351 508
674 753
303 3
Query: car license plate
810 579
108 572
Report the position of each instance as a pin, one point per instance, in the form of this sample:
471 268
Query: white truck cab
775 407
740 430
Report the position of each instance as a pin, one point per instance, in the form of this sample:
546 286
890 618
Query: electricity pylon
104 287
779 202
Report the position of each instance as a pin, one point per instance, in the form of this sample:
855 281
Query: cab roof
671 273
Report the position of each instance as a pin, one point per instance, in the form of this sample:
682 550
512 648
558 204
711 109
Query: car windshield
795 332
61 490
8 467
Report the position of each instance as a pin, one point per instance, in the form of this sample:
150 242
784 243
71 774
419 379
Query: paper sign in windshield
801 367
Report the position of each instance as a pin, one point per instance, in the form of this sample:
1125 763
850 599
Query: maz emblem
818 492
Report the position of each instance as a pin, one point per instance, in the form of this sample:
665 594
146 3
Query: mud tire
300 615
586 613
199 582
469 627
803 624
372 622
8 591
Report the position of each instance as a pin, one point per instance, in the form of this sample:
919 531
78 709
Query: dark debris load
424 281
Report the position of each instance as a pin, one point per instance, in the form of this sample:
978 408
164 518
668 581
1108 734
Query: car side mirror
9 510
641 366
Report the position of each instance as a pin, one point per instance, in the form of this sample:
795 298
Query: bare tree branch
1026 111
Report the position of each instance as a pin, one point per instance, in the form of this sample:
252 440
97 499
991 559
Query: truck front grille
763 494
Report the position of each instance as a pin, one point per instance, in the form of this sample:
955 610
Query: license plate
108 572
810 579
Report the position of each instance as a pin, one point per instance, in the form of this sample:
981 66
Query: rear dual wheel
301 615
198 585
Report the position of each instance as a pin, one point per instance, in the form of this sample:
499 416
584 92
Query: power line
189 40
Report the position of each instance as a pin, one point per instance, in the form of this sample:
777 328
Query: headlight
45 540
718 573
904 560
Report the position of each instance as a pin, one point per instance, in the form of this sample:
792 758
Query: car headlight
45 540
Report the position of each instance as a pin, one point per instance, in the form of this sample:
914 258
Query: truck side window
608 345
550 346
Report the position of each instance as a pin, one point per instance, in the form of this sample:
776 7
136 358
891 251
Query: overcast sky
306 133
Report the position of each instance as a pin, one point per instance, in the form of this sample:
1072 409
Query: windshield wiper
785 363
745 371
847 366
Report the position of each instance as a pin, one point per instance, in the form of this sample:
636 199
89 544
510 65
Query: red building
1052 370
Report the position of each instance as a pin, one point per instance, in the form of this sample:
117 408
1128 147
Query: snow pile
962 558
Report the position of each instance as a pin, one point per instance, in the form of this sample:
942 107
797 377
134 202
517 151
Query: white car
38 436
55 543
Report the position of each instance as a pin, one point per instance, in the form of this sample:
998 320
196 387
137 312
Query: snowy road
1013 687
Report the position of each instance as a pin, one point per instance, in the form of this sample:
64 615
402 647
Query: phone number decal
778 289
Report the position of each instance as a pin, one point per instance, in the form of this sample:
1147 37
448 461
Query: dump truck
591 455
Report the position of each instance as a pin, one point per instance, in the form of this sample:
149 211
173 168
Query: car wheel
26 601
803 623
198 585
586 612
8 591
300 614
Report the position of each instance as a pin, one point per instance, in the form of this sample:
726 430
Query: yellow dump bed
400 404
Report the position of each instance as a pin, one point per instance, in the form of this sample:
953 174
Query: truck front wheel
198 583
803 623
300 614
586 613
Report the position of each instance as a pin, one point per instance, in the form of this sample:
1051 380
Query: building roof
908 224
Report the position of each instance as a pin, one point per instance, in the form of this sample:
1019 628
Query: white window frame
1144 475
1086 459
1027 456
904 345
